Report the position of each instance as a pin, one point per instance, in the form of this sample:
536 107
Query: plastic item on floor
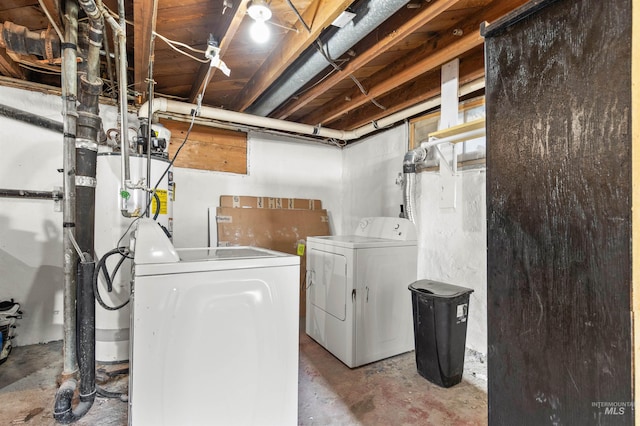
440 313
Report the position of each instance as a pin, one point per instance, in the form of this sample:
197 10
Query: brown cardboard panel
244 201
276 229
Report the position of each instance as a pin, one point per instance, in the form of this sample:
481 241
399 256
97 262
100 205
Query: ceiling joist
205 72
451 44
393 38
144 20
318 16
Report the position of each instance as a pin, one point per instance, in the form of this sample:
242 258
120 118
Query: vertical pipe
149 130
122 87
69 91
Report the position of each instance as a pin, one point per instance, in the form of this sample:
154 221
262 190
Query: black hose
108 394
157 198
86 324
102 266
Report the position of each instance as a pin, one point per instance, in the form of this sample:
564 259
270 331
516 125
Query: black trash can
440 330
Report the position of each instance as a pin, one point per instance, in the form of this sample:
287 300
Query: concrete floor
388 392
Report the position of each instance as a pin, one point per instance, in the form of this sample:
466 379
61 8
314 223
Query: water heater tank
111 227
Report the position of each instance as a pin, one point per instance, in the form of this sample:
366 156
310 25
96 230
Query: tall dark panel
559 214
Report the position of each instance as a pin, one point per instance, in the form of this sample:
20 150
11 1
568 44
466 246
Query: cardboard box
243 201
276 229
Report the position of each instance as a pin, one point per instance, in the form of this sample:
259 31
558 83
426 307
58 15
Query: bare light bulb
260 32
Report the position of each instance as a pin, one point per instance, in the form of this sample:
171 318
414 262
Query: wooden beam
318 16
9 67
391 39
429 56
53 7
395 75
144 20
204 76
419 90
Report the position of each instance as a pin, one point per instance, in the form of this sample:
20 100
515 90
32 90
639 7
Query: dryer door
328 282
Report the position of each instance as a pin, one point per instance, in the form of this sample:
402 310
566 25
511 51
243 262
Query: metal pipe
30 118
166 105
125 174
370 15
149 130
27 193
69 96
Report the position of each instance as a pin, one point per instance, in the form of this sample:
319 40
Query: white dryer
358 304
214 334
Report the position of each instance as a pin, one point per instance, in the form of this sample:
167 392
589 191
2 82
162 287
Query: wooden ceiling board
398 63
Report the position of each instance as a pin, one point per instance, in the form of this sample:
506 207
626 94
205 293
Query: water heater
111 231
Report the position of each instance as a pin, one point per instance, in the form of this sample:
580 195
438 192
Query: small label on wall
301 248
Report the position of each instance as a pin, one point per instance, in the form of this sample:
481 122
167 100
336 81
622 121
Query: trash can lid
438 289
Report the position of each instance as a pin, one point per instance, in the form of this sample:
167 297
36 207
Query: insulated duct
409 166
369 15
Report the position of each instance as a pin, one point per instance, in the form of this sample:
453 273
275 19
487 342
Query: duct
409 165
369 16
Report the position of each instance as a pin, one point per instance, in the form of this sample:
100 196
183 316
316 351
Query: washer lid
359 241
225 253
438 290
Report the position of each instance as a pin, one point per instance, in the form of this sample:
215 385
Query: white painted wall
31 232
352 183
370 170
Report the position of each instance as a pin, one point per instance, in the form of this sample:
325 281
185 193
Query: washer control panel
391 228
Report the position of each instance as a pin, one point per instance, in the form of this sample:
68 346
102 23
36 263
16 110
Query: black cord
299 16
157 198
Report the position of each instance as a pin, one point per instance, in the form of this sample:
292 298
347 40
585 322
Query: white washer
214 334
358 302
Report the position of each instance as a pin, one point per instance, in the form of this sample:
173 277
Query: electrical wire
50 18
336 67
171 43
321 48
186 46
304 24
204 61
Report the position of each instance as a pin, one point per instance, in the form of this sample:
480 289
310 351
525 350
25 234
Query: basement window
472 150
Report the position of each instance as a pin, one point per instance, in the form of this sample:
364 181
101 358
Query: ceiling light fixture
259 11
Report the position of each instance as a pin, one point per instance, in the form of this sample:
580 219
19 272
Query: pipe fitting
412 158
